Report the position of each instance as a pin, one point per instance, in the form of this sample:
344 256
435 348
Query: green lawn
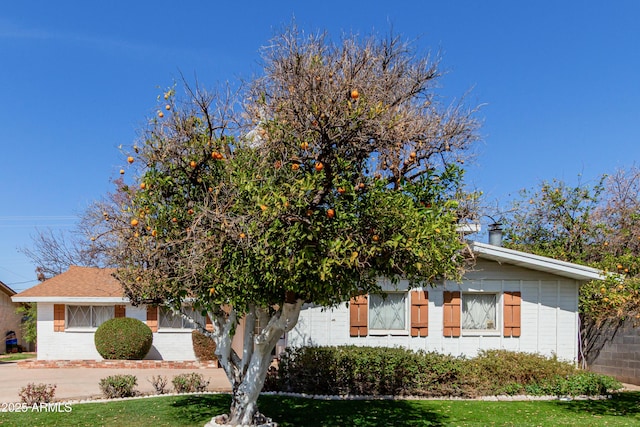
12 357
622 410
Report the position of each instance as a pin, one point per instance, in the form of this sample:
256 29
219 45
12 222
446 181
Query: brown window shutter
419 313
511 313
120 311
152 318
451 310
58 317
208 324
358 316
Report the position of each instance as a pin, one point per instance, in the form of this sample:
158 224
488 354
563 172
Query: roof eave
537 262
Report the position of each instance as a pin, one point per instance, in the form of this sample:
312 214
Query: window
88 316
479 312
169 319
388 312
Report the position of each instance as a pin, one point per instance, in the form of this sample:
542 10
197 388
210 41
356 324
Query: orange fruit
174 219
130 159
167 107
319 166
134 222
304 145
121 171
193 164
190 211
375 238
263 207
354 94
295 166
331 213
242 235
341 190
143 185
160 114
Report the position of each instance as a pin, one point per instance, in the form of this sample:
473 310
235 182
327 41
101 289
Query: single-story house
73 304
10 321
510 300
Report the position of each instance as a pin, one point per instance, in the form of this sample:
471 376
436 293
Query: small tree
556 220
29 313
342 167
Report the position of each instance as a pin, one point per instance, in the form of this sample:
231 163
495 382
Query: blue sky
558 82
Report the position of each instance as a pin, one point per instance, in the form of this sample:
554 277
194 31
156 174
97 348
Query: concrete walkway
83 383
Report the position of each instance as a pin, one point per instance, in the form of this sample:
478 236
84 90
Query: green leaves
337 174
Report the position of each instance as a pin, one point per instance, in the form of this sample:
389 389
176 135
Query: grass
12 357
195 410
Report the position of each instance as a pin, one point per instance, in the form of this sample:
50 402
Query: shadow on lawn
624 403
290 411
201 408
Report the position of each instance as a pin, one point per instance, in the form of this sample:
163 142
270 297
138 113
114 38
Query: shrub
117 386
395 371
496 371
203 346
365 370
34 394
123 338
189 383
159 383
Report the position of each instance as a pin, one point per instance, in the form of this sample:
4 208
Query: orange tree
337 167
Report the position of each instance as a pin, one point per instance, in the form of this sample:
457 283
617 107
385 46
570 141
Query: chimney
495 234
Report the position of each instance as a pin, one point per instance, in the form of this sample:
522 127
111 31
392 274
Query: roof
6 289
536 262
92 284
78 284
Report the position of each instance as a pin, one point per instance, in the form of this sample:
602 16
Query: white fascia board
73 300
537 262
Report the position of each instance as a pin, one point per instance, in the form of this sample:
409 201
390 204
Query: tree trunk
247 374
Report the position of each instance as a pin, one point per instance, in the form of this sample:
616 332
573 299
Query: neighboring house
10 321
73 304
510 300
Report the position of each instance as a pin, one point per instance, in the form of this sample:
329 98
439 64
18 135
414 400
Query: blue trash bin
11 342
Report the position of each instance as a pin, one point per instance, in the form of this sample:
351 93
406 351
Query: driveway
83 383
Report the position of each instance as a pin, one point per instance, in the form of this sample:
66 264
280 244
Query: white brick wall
79 345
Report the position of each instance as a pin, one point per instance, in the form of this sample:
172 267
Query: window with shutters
388 313
479 312
88 316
